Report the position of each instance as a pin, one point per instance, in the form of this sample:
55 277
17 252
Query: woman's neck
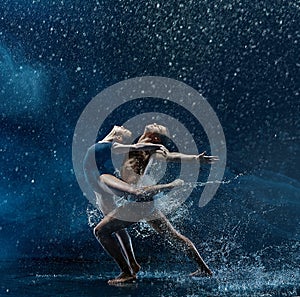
107 139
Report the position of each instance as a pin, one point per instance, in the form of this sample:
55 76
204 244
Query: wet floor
69 278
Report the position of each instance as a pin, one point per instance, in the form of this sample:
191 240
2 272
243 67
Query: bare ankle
135 268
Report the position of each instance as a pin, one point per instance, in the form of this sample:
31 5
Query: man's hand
205 159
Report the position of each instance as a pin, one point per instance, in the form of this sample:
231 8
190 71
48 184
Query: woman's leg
104 233
116 186
163 226
126 244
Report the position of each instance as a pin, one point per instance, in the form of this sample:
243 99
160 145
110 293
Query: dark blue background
243 56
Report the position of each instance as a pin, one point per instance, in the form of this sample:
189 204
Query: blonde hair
112 133
116 132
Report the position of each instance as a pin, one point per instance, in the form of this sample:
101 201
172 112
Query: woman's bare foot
122 278
176 183
202 272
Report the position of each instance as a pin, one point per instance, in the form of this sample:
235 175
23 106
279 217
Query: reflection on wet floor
68 278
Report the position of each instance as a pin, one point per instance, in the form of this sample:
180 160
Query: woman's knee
96 231
100 232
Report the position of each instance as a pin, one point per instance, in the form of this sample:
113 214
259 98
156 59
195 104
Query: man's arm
119 148
179 157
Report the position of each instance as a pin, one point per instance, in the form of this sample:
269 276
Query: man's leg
126 244
104 233
163 226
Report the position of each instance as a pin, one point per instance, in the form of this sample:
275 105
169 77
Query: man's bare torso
134 166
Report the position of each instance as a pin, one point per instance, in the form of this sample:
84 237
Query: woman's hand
162 151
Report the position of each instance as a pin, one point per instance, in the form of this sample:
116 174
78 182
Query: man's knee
175 236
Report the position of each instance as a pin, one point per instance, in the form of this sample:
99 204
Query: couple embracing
107 182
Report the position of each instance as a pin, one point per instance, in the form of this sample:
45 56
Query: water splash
162 202
222 182
93 215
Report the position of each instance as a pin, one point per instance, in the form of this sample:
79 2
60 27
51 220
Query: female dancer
102 177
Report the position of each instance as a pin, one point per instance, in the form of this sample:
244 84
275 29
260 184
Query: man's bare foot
202 272
122 278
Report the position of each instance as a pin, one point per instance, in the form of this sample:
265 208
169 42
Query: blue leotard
98 161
